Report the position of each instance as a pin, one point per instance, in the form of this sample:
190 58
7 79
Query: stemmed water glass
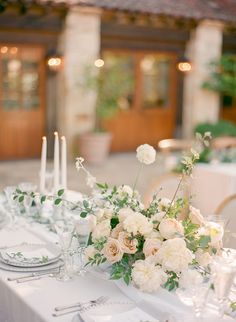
65 231
11 203
27 187
82 229
223 273
195 293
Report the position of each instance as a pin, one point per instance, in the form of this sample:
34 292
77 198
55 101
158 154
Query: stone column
200 105
80 45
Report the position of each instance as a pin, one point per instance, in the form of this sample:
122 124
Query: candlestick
63 163
56 162
42 175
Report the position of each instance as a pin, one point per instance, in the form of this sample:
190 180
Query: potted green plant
223 77
113 87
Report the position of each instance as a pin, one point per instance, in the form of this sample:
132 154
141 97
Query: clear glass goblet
27 187
223 273
193 291
11 203
65 231
82 229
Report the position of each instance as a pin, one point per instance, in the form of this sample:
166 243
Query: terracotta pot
95 147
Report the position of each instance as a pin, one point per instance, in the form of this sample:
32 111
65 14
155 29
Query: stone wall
200 105
80 46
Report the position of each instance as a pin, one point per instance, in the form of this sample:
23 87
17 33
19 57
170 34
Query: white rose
156 219
137 223
146 154
195 216
170 228
203 258
190 277
174 255
102 229
124 213
125 190
154 234
115 231
113 250
99 214
128 244
151 246
164 204
148 277
90 251
108 213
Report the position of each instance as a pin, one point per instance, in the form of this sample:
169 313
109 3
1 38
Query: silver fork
80 306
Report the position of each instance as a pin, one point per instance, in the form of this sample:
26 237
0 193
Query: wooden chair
165 186
227 209
224 142
171 149
174 145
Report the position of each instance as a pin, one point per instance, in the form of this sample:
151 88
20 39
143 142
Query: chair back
223 142
173 145
164 186
227 209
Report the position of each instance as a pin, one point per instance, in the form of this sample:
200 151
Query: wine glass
11 203
27 187
65 231
193 291
82 229
223 272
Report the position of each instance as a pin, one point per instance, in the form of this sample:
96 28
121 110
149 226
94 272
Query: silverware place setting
79 306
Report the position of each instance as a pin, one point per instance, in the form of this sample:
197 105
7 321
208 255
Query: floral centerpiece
149 246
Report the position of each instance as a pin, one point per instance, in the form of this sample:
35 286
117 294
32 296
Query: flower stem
176 191
138 175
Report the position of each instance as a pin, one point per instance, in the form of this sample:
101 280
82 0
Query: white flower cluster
150 246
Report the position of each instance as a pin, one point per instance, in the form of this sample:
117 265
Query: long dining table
35 300
211 184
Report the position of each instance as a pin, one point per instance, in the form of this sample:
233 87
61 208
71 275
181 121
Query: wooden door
22 112
228 109
147 106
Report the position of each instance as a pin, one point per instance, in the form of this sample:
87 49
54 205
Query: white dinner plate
30 255
11 268
106 311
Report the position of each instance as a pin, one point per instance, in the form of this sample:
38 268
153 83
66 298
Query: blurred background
109 76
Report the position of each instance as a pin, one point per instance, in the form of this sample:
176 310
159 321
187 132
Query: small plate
106 311
48 267
30 255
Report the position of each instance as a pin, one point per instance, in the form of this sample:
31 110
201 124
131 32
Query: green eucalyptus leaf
21 198
60 192
43 199
57 201
83 214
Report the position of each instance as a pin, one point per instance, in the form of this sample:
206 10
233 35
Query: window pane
11 69
118 80
156 81
20 78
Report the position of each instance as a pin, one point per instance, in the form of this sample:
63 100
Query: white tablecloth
34 301
211 184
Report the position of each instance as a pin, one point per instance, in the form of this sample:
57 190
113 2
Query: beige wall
200 105
80 45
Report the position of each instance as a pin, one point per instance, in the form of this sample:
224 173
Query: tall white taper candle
42 175
63 163
56 169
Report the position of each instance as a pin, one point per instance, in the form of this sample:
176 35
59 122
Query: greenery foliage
223 76
221 128
113 88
